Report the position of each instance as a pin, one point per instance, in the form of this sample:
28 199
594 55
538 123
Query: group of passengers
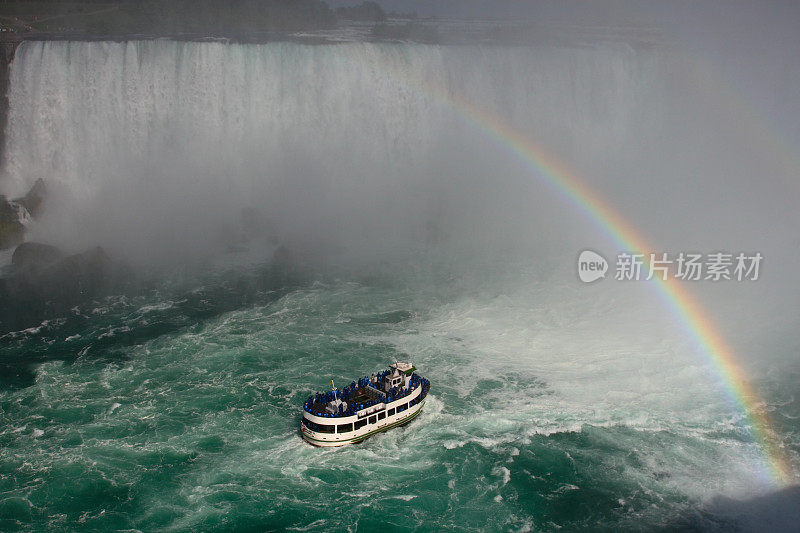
351 390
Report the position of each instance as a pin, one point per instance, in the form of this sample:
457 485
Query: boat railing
366 386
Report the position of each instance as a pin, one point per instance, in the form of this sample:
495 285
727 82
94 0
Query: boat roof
402 367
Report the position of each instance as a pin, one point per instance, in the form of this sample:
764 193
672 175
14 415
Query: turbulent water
553 404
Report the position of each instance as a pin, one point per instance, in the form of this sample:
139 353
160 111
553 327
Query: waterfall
161 144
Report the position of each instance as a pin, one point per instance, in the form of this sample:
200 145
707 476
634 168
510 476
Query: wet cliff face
12 230
15 214
7 50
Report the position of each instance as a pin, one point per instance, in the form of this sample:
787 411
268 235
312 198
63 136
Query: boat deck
360 396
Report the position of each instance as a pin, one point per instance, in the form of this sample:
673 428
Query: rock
14 213
33 200
11 234
12 231
42 272
43 283
86 274
32 257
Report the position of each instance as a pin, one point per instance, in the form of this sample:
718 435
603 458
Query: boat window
402 407
344 428
391 411
360 424
372 420
381 415
320 428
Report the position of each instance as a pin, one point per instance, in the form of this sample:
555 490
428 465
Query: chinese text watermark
684 266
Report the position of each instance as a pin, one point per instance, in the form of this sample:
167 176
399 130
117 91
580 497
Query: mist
174 153
157 147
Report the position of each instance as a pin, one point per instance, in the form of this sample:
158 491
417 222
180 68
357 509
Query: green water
179 410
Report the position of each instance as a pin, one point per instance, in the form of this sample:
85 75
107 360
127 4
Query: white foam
547 359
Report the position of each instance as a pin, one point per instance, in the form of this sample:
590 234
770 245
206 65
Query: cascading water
351 142
552 404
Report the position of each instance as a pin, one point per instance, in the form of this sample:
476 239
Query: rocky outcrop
14 213
87 274
34 199
31 258
12 230
43 271
44 282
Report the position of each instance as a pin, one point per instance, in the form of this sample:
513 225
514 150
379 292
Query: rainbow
693 318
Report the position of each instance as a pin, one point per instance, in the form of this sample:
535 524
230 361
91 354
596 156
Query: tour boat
385 400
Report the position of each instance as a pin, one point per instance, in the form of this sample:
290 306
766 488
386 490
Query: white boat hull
352 437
